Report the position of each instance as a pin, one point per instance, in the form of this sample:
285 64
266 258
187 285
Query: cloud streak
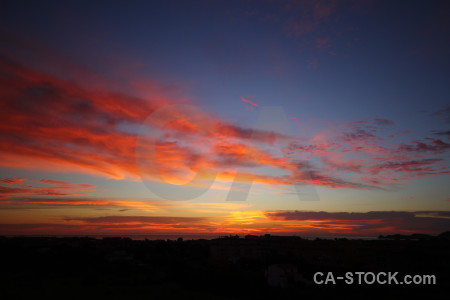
249 101
15 187
137 220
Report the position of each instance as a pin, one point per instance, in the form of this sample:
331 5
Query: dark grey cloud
445 133
435 145
383 122
358 134
443 113
429 222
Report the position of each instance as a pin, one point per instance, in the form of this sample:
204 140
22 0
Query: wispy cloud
15 187
307 16
358 152
443 113
137 220
373 222
383 122
446 133
322 44
435 145
12 181
246 100
51 123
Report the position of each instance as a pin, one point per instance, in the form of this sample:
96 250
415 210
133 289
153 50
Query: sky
209 118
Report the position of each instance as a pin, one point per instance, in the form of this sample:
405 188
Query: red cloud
11 181
66 185
54 124
57 188
249 101
51 123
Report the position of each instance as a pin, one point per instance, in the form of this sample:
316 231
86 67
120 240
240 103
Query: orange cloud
91 202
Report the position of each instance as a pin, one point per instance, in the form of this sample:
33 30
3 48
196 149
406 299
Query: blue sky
363 87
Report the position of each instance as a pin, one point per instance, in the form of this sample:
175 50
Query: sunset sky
310 118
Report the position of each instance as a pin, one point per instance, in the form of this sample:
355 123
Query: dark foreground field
266 267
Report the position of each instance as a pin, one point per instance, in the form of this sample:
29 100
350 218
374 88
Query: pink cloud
249 101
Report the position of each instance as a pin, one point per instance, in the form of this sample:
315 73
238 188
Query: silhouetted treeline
416 236
254 267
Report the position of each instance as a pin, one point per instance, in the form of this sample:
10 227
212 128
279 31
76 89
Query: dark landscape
231 267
